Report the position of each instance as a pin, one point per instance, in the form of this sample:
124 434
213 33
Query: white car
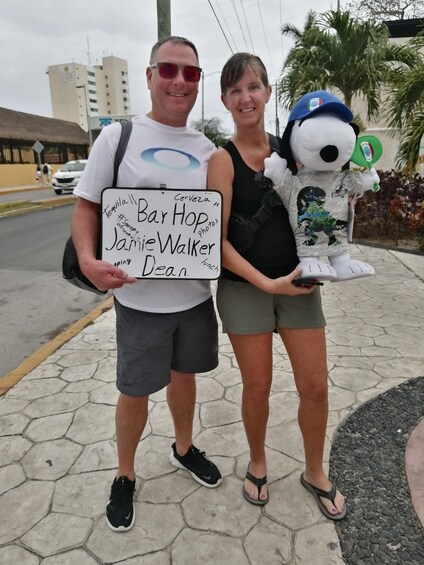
66 178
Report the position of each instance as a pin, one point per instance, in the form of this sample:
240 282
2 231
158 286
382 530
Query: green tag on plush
368 150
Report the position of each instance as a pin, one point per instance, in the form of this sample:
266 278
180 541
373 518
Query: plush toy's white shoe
315 269
348 269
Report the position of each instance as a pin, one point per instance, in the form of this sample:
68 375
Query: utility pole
277 121
163 8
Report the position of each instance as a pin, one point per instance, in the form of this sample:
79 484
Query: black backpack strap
270 198
122 146
71 270
274 143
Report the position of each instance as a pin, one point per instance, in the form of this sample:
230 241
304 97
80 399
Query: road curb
9 380
34 205
17 189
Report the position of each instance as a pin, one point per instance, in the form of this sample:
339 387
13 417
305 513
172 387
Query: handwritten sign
162 233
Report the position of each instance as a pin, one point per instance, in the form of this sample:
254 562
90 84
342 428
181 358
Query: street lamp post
277 121
203 96
90 134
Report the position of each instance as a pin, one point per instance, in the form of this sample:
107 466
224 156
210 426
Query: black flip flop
330 495
259 483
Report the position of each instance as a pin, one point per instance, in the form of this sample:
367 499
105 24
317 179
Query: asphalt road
36 304
30 194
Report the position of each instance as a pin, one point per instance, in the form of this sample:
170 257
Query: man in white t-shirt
166 330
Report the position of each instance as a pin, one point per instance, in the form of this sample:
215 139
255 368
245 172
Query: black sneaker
120 512
198 465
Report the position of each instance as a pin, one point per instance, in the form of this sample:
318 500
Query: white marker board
162 233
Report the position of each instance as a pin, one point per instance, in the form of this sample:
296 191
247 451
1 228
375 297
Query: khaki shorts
244 309
149 345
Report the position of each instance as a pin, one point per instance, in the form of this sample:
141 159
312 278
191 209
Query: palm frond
336 51
409 150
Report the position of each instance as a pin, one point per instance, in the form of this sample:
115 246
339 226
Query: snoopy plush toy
319 138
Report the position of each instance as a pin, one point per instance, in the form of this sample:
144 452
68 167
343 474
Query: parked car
66 178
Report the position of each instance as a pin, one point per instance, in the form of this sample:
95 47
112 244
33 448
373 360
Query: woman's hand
284 285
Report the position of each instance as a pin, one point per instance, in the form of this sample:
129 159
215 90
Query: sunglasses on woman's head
170 71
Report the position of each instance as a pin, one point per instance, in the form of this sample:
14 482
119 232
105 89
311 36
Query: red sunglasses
170 71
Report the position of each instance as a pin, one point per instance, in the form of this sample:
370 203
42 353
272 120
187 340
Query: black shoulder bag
241 230
71 270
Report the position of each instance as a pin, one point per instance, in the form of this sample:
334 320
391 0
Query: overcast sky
36 34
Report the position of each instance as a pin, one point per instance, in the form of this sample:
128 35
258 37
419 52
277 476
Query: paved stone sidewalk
58 456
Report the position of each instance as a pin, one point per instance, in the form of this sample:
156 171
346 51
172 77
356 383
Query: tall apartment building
78 91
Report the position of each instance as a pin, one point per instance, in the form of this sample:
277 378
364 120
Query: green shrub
395 212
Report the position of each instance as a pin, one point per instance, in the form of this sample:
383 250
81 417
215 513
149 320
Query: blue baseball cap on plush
317 102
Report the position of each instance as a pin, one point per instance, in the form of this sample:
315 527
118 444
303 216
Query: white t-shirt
157 156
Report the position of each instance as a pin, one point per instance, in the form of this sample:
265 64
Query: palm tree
406 109
335 51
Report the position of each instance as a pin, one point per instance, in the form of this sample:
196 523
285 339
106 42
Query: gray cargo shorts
150 345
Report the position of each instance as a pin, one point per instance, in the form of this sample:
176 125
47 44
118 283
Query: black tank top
274 250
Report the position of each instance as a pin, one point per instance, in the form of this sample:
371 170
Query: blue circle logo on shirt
149 156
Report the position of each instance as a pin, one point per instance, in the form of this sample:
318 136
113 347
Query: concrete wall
20 175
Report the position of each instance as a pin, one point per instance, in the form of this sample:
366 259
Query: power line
266 40
247 26
226 24
281 34
219 23
243 25
239 22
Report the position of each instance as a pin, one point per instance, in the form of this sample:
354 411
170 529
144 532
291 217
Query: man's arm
85 235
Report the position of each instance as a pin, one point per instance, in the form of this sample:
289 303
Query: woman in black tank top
256 296
273 251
